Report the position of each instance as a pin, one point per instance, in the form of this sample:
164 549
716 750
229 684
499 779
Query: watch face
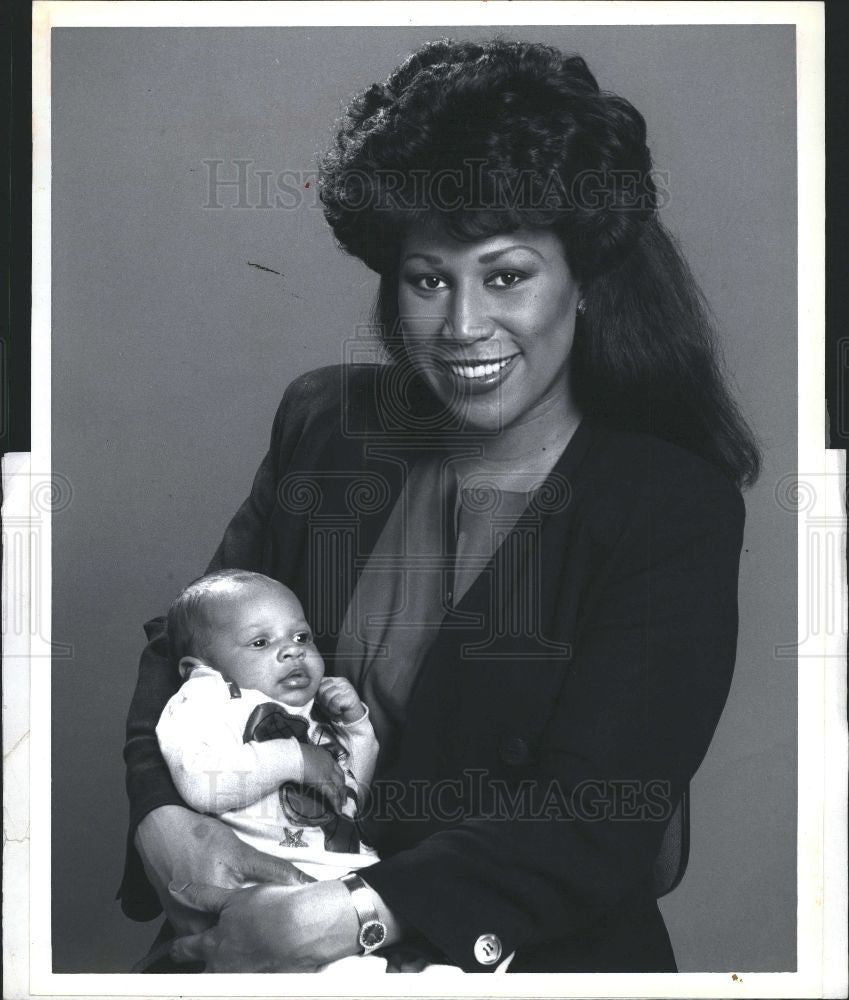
372 934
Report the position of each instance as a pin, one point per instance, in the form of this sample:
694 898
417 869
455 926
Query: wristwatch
372 929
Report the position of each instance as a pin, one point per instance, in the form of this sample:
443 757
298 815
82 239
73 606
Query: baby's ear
188 664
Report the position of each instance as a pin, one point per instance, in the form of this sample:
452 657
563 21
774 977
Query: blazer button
487 949
514 751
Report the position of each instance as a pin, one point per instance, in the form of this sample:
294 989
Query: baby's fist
339 699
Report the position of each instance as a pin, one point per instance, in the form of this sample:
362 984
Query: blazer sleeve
149 783
638 707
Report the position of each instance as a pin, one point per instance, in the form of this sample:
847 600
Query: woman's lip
479 377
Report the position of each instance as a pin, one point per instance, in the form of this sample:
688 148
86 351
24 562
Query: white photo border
822 893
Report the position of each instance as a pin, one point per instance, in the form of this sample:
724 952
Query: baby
260 737
257 735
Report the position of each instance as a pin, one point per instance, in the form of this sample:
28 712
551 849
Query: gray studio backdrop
171 349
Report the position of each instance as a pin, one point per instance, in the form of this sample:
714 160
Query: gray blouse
439 536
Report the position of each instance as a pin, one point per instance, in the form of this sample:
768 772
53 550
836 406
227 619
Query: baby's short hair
184 615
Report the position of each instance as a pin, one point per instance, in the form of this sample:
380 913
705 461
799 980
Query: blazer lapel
507 642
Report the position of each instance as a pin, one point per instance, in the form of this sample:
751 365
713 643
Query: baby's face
257 637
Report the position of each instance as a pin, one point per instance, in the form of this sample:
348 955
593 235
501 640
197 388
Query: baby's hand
339 699
323 773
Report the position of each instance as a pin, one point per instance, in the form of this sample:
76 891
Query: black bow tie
304 805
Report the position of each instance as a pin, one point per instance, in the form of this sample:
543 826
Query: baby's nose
291 652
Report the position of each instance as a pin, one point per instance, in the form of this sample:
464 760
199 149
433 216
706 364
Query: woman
519 539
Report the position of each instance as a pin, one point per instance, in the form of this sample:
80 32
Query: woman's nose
468 320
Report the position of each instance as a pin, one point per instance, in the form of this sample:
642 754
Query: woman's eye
506 279
302 637
259 643
429 282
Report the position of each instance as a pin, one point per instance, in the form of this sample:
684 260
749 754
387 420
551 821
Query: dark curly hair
492 137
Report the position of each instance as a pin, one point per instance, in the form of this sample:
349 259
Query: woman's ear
187 664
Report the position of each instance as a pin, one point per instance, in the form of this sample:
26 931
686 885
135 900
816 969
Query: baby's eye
259 643
302 637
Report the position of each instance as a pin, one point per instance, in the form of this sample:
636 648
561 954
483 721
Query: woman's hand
269 928
181 846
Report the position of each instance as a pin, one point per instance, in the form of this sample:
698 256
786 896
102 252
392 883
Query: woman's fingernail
178 887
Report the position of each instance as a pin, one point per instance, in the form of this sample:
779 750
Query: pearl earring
582 307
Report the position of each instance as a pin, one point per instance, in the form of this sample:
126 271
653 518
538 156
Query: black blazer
565 703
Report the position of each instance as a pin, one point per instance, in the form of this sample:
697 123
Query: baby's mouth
296 678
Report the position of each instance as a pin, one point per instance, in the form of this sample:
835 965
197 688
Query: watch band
372 929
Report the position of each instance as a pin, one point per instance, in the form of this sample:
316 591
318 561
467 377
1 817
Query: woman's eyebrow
488 258
428 258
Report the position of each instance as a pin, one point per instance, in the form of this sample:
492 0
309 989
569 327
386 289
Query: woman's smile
480 375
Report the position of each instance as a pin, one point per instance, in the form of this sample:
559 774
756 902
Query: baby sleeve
361 743
200 736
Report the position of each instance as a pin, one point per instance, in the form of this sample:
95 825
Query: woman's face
490 324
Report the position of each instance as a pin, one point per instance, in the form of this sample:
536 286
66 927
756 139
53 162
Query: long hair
489 138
